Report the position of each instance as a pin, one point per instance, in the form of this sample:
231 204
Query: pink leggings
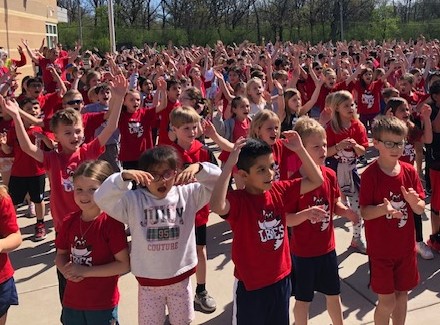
177 297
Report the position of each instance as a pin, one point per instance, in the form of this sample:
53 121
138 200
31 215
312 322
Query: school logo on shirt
345 156
135 127
80 252
400 205
67 179
323 204
276 169
409 151
368 99
271 228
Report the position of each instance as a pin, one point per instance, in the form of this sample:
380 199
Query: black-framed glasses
392 144
166 176
74 102
318 68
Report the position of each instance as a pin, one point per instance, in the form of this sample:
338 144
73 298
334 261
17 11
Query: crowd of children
122 140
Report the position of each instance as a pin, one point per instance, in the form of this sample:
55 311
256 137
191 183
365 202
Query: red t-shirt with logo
321 234
260 248
60 167
368 98
135 129
92 243
389 237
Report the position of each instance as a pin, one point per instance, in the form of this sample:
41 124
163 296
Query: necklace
80 228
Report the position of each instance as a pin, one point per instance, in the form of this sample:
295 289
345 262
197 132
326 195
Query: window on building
51 35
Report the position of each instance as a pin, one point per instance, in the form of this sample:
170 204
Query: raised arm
218 203
11 107
31 53
162 93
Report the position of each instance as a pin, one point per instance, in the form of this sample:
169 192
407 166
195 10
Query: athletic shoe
30 213
424 251
205 301
359 244
40 231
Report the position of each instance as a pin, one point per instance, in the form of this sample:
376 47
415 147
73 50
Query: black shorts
20 186
267 305
8 295
310 274
201 235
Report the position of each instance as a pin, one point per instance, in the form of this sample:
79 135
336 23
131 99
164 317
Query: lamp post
111 26
80 23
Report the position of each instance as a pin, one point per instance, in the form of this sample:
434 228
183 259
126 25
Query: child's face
316 146
405 87
260 176
233 77
256 90
269 131
70 136
174 92
104 96
418 77
283 81
346 109
76 102
186 133
242 110
330 80
164 178
345 74
294 103
34 89
402 112
32 109
132 101
147 86
390 146
94 81
367 77
84 188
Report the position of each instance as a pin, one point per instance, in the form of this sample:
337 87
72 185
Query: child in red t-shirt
347 140
169 91
185 122
135 126
257 215
28 175
399 108
10 239
92 252
390 193
310 262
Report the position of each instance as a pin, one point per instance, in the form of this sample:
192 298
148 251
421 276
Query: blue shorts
310 274
89 317
265 306
8 295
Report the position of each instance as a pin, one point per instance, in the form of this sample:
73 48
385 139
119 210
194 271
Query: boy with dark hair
169 92
390 193
257 215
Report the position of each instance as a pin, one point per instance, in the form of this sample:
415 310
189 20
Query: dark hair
435 88
33 79
253 149
172 82
27 100
102 87
159 155
67 116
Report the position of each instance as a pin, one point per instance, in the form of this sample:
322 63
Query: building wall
25 19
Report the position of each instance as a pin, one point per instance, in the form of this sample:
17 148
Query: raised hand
390 212
140 177
410 195
188 175
119 85
240 143
293 140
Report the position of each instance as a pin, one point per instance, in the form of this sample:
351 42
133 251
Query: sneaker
435 245
359 244
424 251
30 213
40 231
205 301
